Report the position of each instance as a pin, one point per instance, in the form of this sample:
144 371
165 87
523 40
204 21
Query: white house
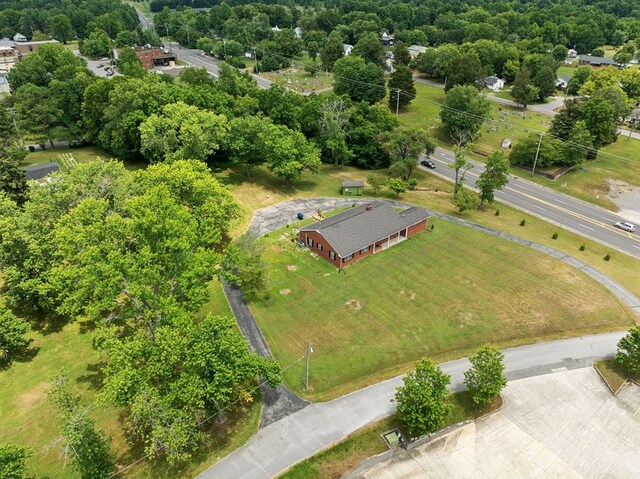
571 53
493 83
19 37
346 49
562 82
415 50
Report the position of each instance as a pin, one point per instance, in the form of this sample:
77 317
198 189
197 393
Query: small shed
38 172
352 188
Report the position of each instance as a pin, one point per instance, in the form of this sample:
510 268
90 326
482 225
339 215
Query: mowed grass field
82 154
439 294
28 419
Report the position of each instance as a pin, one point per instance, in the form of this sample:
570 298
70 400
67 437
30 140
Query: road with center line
562 210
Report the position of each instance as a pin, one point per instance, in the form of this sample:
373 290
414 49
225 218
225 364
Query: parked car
429 164
625 225
101 65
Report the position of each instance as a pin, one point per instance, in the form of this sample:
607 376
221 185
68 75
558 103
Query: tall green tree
13 461
12 336
463 113
523 91
460 165
98 44
579 144
545 81
401 55
86 447
599 117
313 41
628 354
464 69
486 377
404 146
331 51
37 112
289 154
401 81
358 80
370 48
421 399
13 181
61 28
182 132
494 177
129 64
246 140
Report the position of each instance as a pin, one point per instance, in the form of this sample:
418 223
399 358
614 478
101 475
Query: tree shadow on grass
24 355
46 324
94 379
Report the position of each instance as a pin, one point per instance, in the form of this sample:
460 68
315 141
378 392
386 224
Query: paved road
562 210
300 435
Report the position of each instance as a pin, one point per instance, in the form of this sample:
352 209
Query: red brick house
154 56
361 231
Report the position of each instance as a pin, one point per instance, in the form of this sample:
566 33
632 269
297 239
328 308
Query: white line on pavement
585 226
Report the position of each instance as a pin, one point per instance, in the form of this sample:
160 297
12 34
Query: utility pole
188 40
256 59
398 102
535 161
309 351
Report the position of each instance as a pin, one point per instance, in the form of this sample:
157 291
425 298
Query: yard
81 154
439 294
28 419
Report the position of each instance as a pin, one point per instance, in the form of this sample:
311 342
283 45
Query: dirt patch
412 296
292 267
30 398
626 197
285 291
277 248
354 304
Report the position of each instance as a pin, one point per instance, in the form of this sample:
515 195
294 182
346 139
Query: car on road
429 164
625 225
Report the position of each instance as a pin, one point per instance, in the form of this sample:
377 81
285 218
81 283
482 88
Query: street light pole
309 351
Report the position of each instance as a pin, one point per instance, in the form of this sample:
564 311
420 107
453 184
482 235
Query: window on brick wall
364 250
309 241
347 258
319 245
332 255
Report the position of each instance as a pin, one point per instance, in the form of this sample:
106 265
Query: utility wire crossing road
565 211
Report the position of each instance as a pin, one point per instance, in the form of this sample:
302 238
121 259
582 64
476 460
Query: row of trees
65 21
422 399
133 253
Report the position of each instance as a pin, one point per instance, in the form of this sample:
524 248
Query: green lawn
614 374
28 419
82 154
338 460
439 294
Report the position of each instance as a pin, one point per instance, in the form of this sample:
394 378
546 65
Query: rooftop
352 184
361 226
596 60
37 172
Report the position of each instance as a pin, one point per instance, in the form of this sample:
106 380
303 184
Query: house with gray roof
362 231
41 171
596 61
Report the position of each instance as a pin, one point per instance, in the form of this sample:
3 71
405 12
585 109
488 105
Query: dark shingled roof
359 227
352 184
37 172
597 60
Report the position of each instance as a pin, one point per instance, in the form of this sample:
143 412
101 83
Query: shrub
236 62
582 247
412 184
523 222
497 213
554 235
608 257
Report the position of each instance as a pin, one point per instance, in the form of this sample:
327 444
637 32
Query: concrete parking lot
561 425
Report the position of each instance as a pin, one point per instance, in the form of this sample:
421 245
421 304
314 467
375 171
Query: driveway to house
318 426
562 425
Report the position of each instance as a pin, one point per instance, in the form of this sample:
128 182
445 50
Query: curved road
562 210
306 432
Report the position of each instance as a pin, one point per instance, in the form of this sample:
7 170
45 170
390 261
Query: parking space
565 424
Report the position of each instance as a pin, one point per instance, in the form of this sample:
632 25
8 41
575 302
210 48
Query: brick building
155 56
362 231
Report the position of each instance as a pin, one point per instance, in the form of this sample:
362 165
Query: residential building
415 50
596 61
155 56
19 37
41 171
8 55
562 82
362 231
387 39
346 49
352 188
571 53
493 83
